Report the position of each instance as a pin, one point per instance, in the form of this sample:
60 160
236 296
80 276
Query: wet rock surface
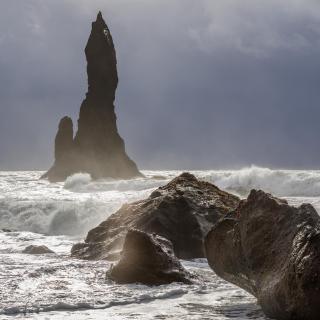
97 147
183 211
32 249
148 259
272 250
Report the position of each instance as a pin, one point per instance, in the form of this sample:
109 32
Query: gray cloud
203 84
259 28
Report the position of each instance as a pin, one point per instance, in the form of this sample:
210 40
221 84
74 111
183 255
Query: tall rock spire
97 147
102 61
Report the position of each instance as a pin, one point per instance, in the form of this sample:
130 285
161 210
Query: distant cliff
97 147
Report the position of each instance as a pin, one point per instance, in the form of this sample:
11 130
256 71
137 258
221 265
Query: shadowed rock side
183 212
148 259
97 147
272 250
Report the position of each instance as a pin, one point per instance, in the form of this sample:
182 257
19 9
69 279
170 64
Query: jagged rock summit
97 147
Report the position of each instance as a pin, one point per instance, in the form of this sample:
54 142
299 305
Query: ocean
57 215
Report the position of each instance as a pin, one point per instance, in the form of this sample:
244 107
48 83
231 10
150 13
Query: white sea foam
58 214
55 287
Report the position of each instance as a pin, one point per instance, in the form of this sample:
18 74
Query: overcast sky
203 83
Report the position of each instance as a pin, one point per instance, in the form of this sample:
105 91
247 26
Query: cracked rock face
148 259
97 147
183 211
272 250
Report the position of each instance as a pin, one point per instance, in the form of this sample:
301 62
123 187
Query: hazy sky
203 83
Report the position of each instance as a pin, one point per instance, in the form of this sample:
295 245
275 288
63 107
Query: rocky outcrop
64 151
272 250
37 250
183 212
148 259
97 147
64 139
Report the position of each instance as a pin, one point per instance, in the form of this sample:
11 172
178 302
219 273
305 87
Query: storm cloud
203 84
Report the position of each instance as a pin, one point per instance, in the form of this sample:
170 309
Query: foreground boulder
37 250
97 147
148 259
272 250
183 212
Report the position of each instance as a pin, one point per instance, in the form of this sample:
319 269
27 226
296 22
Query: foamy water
59 214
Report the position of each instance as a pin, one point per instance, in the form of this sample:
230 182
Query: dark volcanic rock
64 151
97 147
272 250
148 259
37 250
183 212
64 139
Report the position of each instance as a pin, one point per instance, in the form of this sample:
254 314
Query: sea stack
97 147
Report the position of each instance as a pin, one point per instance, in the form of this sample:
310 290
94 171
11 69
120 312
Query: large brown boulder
272 250
183 211
148 259
97 147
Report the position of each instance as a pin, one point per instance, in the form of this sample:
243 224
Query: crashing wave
77 181
82 182
29 204
283 183
53 217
